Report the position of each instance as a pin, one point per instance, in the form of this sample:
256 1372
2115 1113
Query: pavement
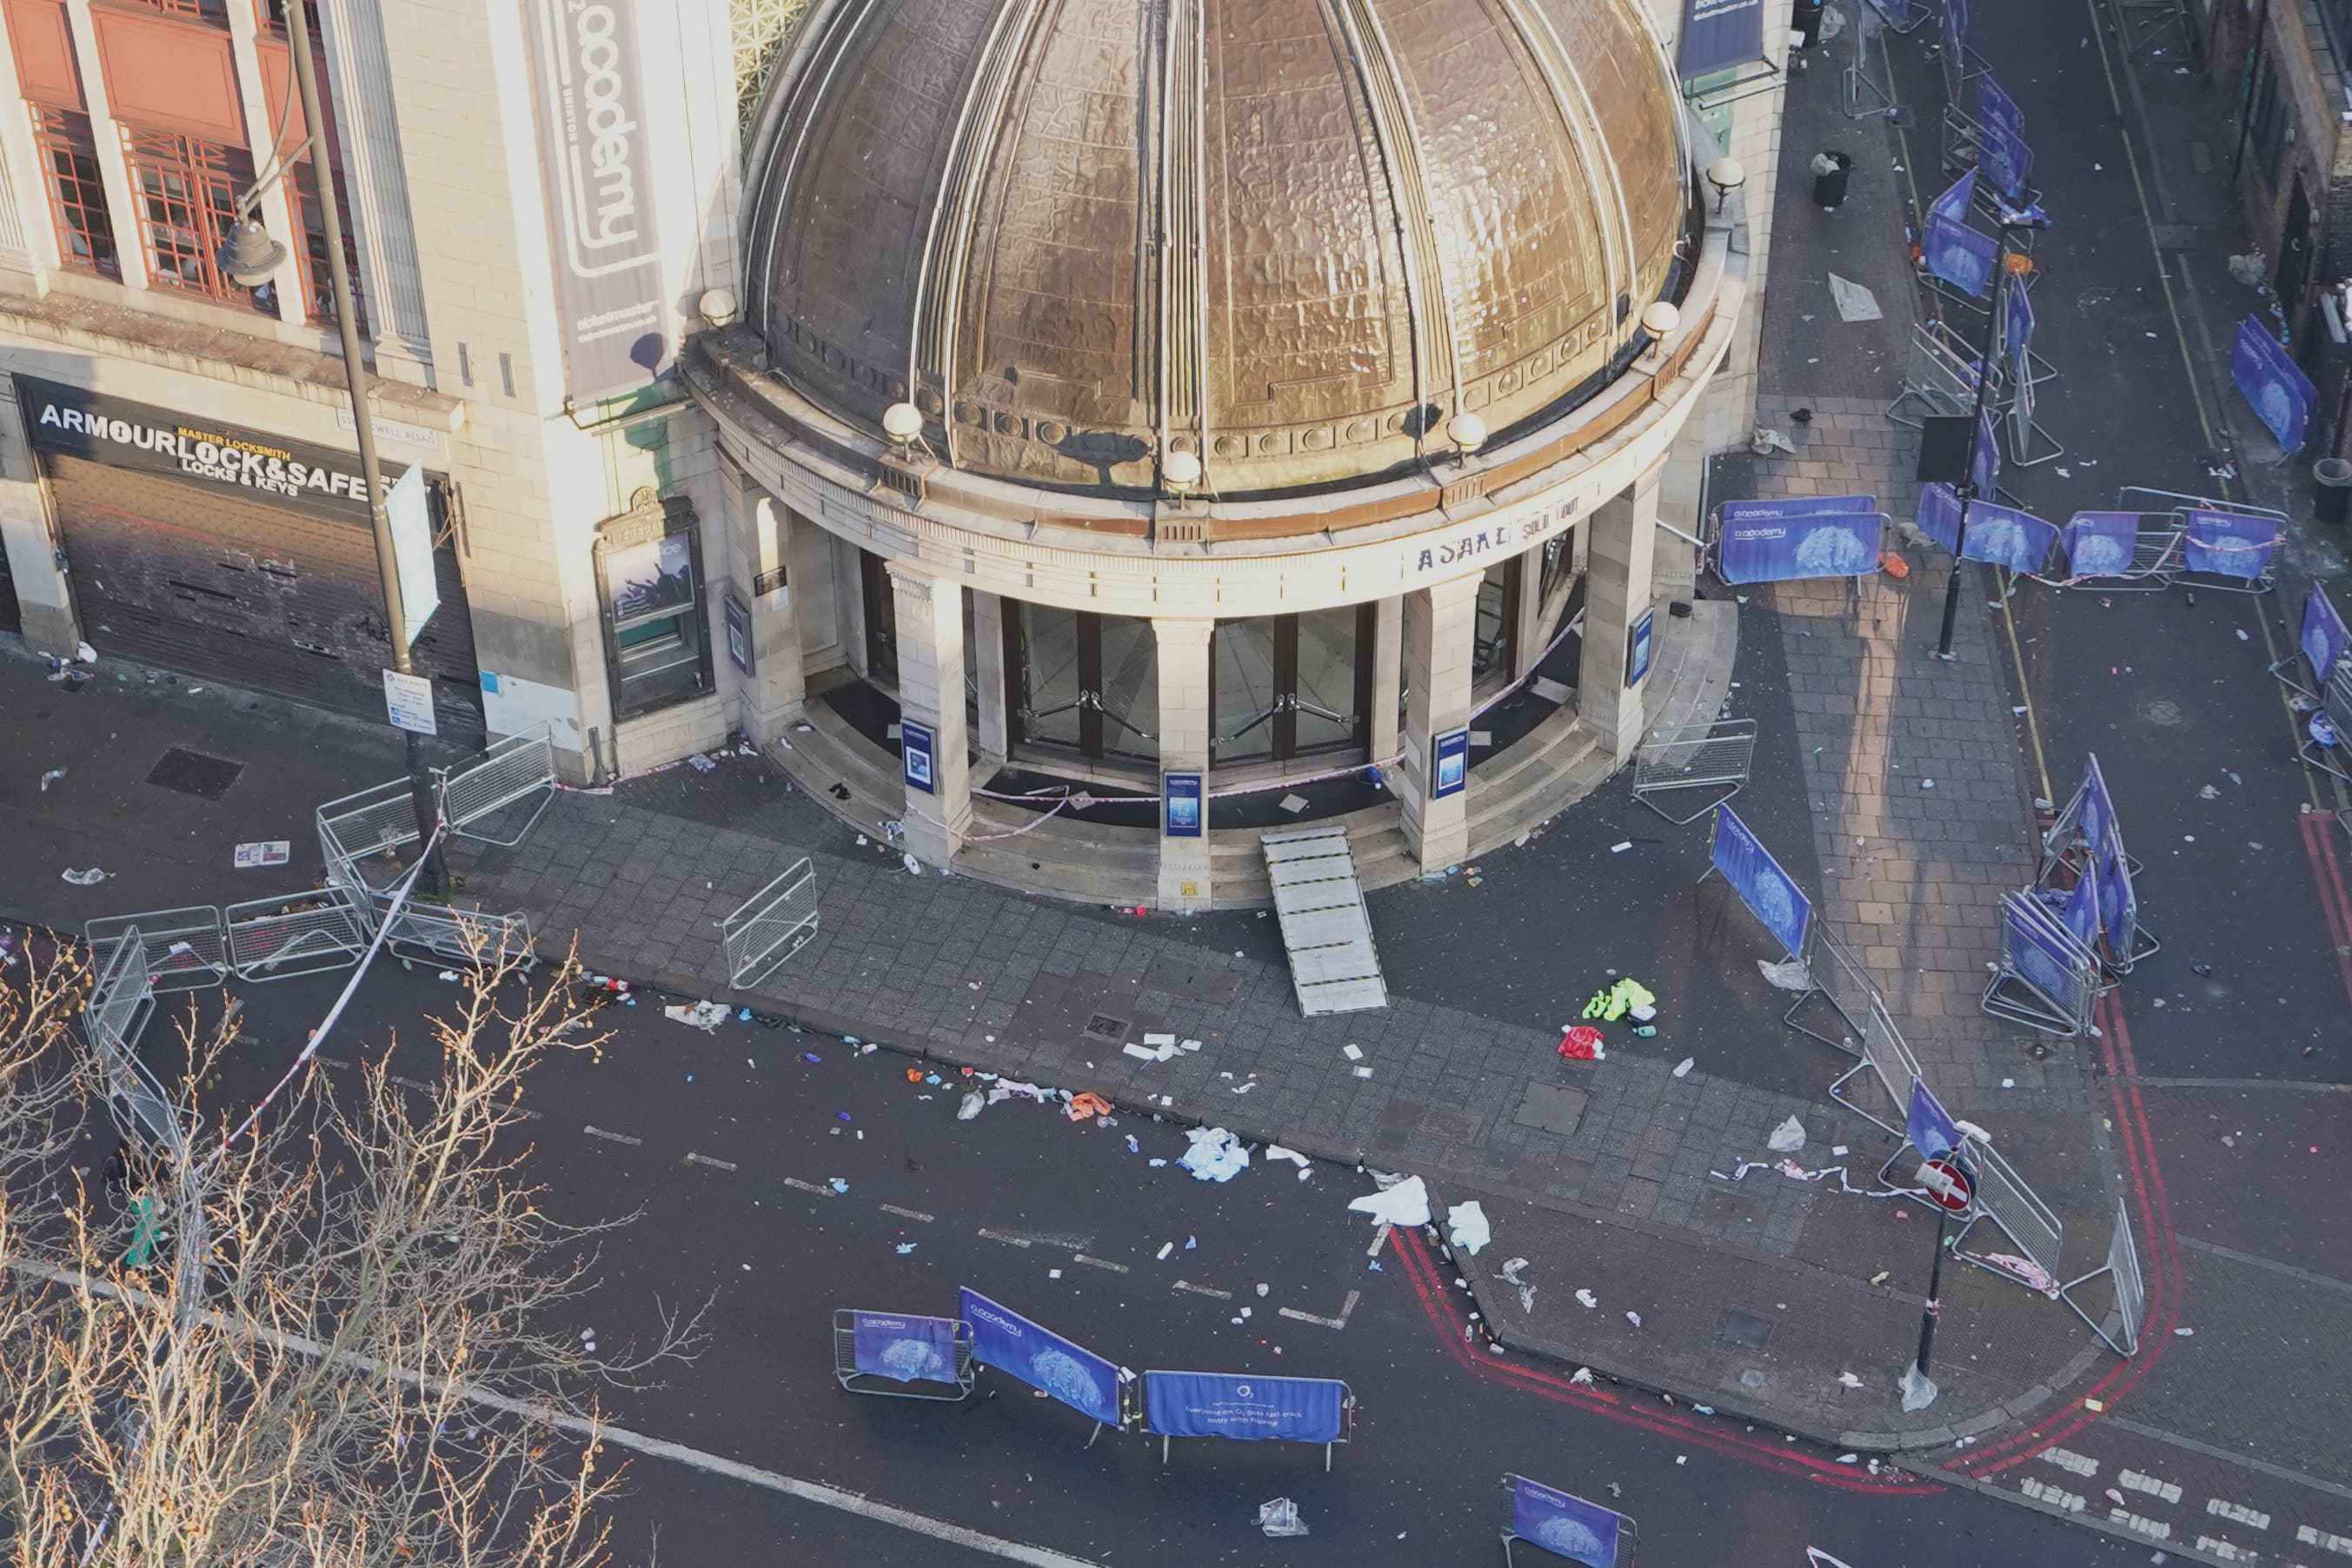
2206 1100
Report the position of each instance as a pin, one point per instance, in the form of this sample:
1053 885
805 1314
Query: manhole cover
1744 1328
193 772
2161 711
1753 1377
1102 1027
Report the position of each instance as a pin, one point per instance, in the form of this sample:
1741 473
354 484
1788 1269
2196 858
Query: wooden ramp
1325 927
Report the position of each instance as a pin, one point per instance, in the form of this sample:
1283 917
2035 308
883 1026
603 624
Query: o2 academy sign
125 435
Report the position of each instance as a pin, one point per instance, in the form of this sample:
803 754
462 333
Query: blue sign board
1452 770
2100 543
1719 35
2117 905
1004 1338
2282 395
2230 544
1953 203
2007 160
1637 648
1995 106
1249 1409
1757 549
2041 951
1768 891
1959 255
1184 816
2004 536
1795 506
2098 816
2080 914
908 1349
2324 637
916 744
1563 1524
738 634
1928 1125
1940 515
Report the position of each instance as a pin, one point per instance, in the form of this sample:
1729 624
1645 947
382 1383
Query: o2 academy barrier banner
1815 536
1004 1338
1767 890
910 1350
1250 1409
1563 1524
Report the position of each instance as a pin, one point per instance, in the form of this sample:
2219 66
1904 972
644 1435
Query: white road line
2067 1459
1339 1323
2237 1512
999 1236
2226 1551
2056 1497
905 1213
1102 1263
694 1158
713 1464
1209 1290
2134 1481
2141 1523
795 1182
613 1137
1380 1239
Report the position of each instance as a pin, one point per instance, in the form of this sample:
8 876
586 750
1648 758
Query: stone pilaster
1440 622
1184 677
1617 591
930 693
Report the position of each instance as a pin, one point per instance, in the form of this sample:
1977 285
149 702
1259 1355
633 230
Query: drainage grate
1744 1328
193 772
1102 1027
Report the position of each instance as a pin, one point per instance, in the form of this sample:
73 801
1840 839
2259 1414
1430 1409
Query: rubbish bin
1831 172
2335 478
1806 19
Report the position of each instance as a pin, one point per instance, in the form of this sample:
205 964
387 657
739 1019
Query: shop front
230 554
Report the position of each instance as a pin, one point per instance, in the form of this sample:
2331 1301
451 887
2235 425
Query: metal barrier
445 936
378 821
508 775
847 1371
2045 979
1940 374
120 1004
770 925
2330 756
2154 559
2180 503
186 949
2031 1225
2122 1270
1888 1059
295 933
1838 979
1713 757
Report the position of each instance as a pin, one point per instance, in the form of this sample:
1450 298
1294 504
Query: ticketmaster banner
1249 1409
2100 543
1940 515
907 1349
2324 637
1769 893
1813 536
2004 536
600 194
2280 393
1959 255
1564 1524
2230 544
1004 1338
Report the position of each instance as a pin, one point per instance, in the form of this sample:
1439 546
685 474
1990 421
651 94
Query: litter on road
88 878
1467 1228
1216 1156
1404 1203
1786 1138
704 1016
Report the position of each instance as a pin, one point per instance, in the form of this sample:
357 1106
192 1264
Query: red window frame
187 193
77 191
317 278
213 11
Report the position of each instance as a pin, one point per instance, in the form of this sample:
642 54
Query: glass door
1290 685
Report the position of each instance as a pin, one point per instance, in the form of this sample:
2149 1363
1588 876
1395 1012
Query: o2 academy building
1176 422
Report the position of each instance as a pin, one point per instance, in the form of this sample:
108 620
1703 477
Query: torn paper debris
1855 302
1407 1204
1467 1228
1786 1138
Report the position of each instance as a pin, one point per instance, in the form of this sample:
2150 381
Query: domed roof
1292 235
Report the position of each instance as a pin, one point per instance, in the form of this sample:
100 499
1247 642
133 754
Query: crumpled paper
1405 1203
1467 1228
1216 1156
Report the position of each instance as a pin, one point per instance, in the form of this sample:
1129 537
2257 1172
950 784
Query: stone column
1616 594
44 596
988 649
1532 633
1184 748
930 693
1387 677
759 542
1440 622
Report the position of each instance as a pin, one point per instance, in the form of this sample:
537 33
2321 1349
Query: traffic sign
1947 1185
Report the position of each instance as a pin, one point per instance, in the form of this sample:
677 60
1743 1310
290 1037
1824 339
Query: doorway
881 605
1290 685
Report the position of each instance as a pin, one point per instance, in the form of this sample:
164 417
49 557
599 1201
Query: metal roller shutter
231 588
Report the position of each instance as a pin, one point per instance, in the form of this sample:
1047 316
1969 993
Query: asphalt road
714 1143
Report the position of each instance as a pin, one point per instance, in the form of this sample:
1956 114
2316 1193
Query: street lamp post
250 257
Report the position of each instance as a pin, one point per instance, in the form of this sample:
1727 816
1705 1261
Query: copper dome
1293 236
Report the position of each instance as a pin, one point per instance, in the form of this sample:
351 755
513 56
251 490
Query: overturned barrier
1565 1525
2130 1290
770 925
2044 978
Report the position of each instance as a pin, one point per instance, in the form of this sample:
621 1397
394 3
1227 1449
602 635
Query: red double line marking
1421 1270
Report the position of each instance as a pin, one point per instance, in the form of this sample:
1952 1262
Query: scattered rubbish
1151 1053
1277 1152
1620 999
2183 1333
1588 1298
1264 1290
2209 792
1244 1088
1634 1318
1527 1299
1165 1248
1133 1146
1279 1518
1581 1377
88 878
1786 1138
704 1016
904 1248
1082 1106
1293 802
450 975
1621 848
2242 636
1683 1068
85 654
1052 1273
837 1184
1511 1266
1353 1053
1363 1072
1580 1042
52 776
1855 302
1467 1228
1406 1204
1766 442
1788 975
975 1102
1191 1242
1216 1156
1646 1031
1839 1150
701 763
1927 784
262 852
1919 1390
1848 1380
914 867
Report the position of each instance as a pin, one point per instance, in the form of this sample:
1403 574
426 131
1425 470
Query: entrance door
881 620
1088 684
2295 250
1290 685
